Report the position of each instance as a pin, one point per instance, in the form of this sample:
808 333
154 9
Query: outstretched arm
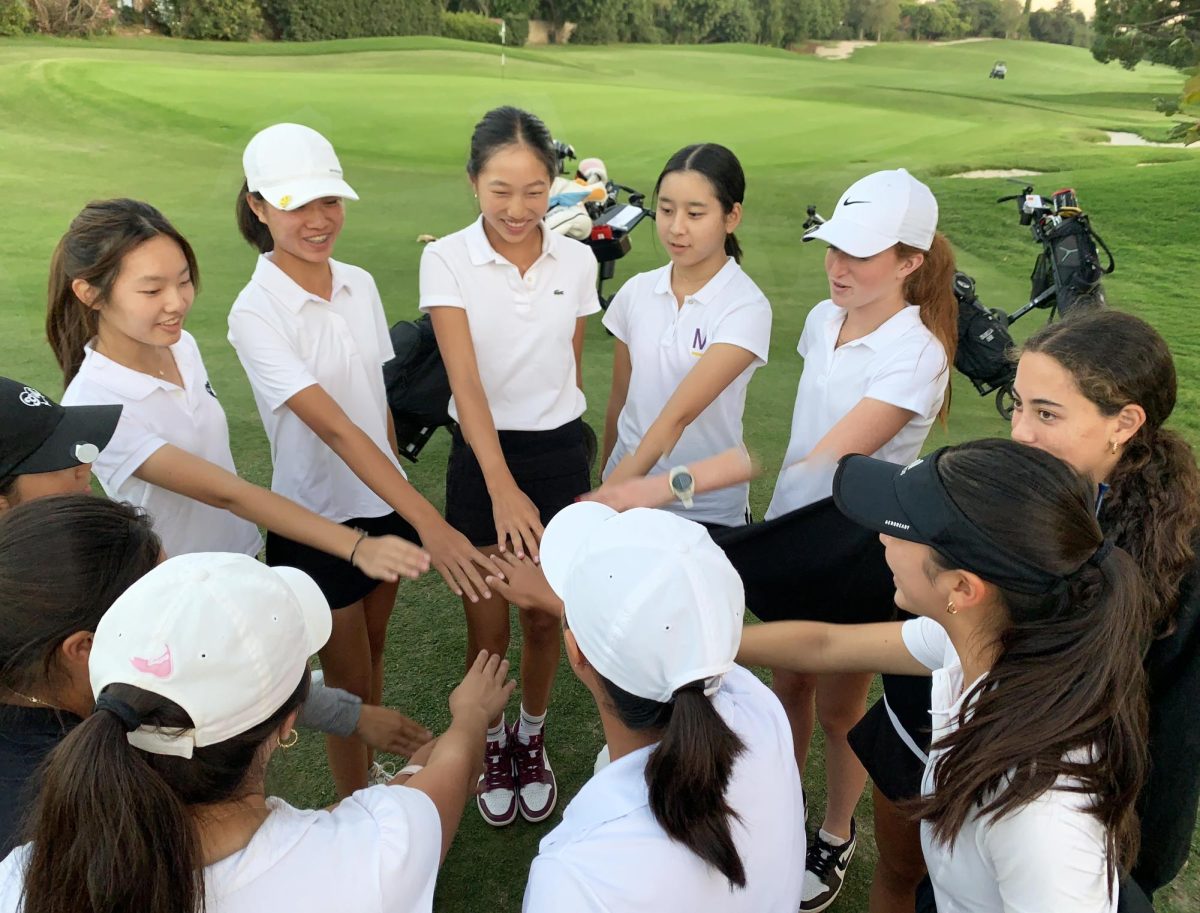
810 646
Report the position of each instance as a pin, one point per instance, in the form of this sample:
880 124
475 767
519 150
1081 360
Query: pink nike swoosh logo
159 667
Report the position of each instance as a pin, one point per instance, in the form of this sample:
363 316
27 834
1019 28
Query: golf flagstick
503 31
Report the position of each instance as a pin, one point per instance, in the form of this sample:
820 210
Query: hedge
317 20
470 27
14 17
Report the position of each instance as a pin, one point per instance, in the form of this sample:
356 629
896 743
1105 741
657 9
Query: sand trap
1117 138
959 41
840 50
997 173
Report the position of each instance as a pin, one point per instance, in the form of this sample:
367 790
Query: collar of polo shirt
883 335
127 382
712 288
284 289
481 250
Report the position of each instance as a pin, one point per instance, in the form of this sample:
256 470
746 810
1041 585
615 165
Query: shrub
14 17
72 18
213 20
518 30
738 23
471 27
317 20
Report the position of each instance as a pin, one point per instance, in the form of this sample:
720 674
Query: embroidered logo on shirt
211 391
699 341
558 291
31 397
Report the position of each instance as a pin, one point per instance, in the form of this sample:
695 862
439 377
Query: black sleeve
1168 800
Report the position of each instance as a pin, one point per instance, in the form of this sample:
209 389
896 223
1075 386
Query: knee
793 690
838 719
540 628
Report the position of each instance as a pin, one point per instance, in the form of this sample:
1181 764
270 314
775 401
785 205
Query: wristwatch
683 486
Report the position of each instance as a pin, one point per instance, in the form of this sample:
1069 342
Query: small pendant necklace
32 700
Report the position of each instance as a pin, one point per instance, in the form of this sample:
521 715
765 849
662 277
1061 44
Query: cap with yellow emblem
290 165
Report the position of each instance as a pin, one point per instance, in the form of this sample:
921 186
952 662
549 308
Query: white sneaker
825 871
380 774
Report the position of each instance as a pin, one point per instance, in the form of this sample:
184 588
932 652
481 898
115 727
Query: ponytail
256 233
689 771
733 248
1066 695
931 288
113 828
92 250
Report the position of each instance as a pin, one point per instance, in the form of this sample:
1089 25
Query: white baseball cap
222 635
881 210
290 165
652 601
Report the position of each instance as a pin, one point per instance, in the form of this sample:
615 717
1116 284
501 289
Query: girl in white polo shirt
689 336
122 282
509 301
311 335
1032 626
877 356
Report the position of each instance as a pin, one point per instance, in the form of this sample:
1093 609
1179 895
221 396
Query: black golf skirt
550 467
340 581
811 564
892 739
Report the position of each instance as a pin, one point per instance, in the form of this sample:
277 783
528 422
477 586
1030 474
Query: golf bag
985 346
1070 265
418 390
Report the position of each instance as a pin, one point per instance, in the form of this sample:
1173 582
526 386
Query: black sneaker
824 871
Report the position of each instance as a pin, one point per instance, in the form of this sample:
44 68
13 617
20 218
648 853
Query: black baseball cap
910 502
39 435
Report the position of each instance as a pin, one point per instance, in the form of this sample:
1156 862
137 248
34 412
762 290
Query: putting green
166 121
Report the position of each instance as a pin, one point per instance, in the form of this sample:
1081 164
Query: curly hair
1152 508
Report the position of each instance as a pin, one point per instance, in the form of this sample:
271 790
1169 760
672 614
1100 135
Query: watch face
682 481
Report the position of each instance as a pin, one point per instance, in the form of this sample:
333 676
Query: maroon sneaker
496 793
537 790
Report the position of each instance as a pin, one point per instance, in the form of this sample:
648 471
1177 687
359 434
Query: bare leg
841 702
901 863
796 691
346 662
539 659
377 611
487 626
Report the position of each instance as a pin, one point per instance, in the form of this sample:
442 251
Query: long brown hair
93 249
1152 507
931 288
688 771
112 830
1065 697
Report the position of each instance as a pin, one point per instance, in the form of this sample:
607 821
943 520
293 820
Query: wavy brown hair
931 288
1152 508
1064 704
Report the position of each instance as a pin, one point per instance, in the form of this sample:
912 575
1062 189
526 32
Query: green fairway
166 121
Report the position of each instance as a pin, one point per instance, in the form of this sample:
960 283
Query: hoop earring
1112 447
290 740
950 608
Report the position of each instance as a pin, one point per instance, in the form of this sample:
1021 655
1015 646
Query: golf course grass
166 121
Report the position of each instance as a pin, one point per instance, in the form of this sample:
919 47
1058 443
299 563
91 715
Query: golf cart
999 70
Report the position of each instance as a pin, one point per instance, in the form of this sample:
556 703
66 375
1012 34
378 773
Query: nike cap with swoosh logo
889 208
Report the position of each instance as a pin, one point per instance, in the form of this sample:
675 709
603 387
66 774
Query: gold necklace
30 699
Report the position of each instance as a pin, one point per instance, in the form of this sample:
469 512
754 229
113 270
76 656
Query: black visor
910 502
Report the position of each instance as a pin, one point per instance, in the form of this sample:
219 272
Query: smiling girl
689 336
311 334
509 302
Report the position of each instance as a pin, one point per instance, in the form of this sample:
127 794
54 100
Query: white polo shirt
158 413
1047 855
287 340
665 342
522 327
609 854
901 363
376 852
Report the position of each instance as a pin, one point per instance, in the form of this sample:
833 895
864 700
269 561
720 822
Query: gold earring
950 607
290 740
1112 447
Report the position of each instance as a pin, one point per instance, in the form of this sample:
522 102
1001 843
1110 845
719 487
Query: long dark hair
509 126
112 828
63 561
93 249
724 174
688 771
252 228
1066 695
1152 508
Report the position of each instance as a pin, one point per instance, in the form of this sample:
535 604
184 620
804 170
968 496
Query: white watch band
410 770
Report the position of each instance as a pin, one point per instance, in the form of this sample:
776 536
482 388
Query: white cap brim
294 194
851 238
318 620
563 536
